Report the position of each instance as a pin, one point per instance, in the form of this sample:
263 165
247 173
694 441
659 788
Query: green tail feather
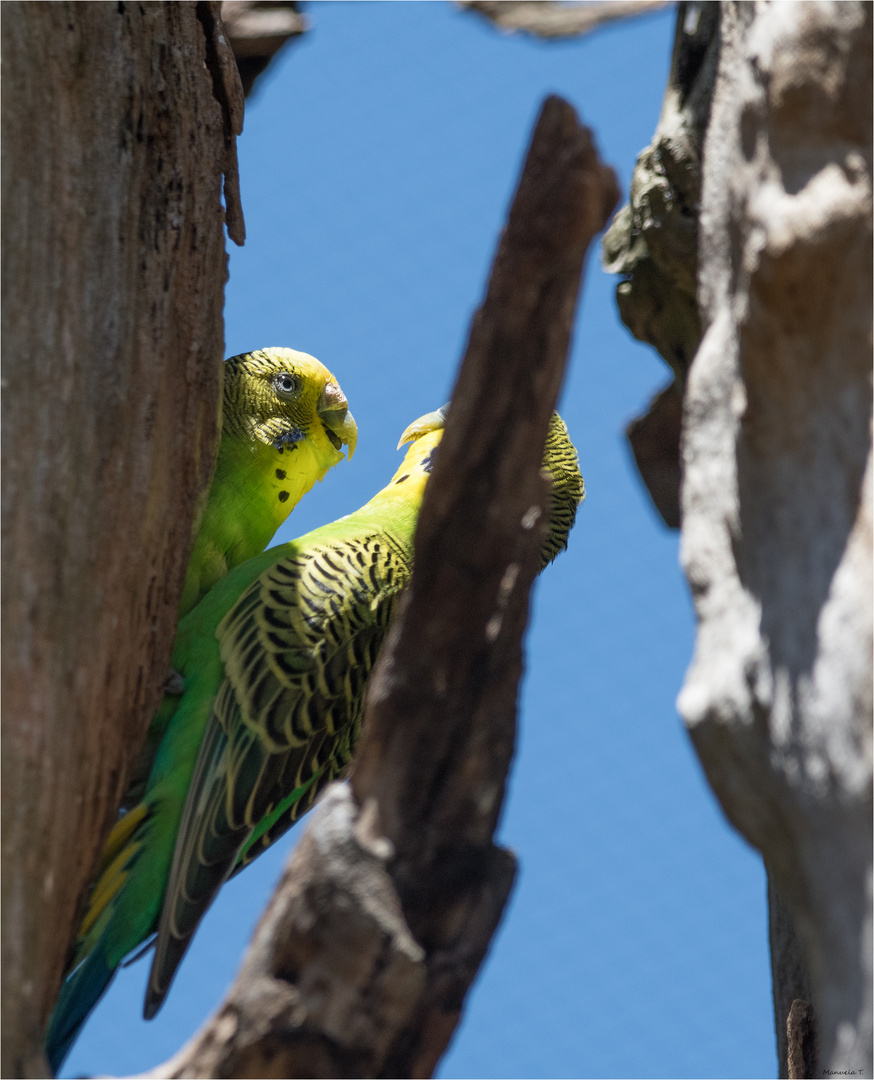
79 994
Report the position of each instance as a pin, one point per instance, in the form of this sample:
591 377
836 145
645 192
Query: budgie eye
286 383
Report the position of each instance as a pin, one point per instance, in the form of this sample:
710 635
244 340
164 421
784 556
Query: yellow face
283 398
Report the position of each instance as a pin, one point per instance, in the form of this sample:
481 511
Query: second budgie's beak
432 421
334 413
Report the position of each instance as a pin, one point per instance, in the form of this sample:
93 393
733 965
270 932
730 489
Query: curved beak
333 410
432 421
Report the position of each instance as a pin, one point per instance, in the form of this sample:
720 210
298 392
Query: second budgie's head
282 398
560 464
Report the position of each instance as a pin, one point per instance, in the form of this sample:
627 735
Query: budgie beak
334 413
432 421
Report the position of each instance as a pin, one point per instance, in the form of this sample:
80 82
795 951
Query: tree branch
257 30
547 19
361 963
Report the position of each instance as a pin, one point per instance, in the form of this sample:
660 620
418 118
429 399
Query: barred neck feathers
402 496
561 464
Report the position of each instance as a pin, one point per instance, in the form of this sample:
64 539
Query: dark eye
285 383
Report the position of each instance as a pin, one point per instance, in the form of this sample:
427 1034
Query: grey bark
653 243
777 485
361 964
114 263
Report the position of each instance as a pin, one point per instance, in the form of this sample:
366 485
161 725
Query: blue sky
378 159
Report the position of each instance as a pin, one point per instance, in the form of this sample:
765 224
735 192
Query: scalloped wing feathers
297 650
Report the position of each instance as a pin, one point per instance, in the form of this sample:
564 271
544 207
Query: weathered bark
361 964
228 91
777 484
801 1053
654 439
113 272
653 243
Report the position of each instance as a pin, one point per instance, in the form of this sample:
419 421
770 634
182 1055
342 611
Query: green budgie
284 421
275 661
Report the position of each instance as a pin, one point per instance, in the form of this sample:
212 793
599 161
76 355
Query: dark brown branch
546 19
362 961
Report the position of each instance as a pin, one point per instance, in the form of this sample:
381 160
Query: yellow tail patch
119 850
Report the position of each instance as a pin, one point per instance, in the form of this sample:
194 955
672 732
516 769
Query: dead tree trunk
114 145
776 424
777 481
776 507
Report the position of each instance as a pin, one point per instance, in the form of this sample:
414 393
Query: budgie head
285 398
560 464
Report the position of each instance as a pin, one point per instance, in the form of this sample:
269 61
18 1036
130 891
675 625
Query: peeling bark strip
790 981
113 274
654 439
228 90
801 1041
361 964
777 512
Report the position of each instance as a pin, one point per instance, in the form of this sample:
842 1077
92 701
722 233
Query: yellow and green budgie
275 661
284 423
